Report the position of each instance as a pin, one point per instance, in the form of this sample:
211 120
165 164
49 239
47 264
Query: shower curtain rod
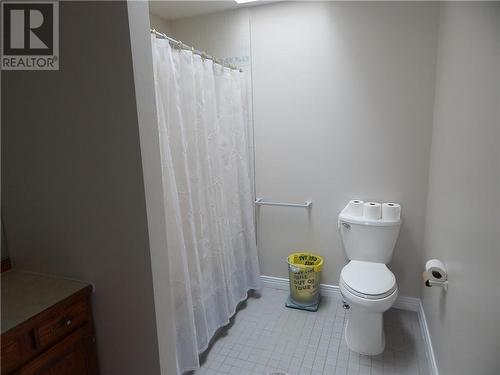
179 44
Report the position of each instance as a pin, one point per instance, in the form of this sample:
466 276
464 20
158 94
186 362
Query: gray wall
463 212
72 185
4 250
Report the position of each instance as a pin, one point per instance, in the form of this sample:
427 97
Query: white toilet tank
368 240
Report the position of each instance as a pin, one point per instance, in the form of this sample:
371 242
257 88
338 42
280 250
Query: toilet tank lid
346 218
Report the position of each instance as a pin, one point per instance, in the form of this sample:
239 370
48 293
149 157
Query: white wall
463 212
142 59
158 23
343 97
73 200
224 35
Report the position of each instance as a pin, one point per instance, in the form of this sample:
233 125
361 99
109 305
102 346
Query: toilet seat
368 280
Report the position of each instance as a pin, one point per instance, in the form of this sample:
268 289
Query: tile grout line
265 330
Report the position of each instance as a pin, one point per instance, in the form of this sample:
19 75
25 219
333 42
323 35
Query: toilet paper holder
437 278
435 274
441 284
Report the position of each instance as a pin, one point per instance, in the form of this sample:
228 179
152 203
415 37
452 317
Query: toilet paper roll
372 210
436 270
391 211
355 207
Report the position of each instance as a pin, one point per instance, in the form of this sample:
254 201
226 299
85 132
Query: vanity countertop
26 294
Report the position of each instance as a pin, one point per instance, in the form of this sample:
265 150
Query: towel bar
260 202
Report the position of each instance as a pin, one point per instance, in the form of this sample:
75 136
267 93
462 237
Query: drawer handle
67 322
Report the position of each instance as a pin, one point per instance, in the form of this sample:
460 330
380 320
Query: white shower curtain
203 126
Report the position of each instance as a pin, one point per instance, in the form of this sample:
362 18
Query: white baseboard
402 303
427 339
407 303
274 282
282 284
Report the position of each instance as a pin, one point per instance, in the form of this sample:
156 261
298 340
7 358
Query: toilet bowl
366 284
369 289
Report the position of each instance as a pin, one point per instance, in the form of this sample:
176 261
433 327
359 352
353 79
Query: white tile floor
267 337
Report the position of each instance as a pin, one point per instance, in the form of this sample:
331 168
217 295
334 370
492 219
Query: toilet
368 287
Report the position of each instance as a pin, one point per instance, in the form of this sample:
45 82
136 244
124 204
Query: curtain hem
228 319
202 350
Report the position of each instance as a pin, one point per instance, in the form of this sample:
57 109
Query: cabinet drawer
74 355
61 324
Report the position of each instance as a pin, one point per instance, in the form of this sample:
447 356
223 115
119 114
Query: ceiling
172 10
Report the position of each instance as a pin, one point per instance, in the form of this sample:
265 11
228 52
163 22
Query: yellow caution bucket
304 272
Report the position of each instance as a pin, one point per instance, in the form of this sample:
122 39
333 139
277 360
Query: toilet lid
368 279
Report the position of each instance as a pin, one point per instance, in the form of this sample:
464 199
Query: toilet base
364 332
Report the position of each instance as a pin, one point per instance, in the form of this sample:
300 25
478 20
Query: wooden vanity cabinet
57 341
